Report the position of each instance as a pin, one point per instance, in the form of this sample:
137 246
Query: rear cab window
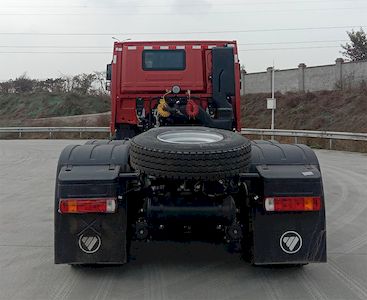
164 60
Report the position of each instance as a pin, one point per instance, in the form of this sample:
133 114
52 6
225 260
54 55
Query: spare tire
190 153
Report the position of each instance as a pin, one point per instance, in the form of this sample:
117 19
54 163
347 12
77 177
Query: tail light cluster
292 203
90 205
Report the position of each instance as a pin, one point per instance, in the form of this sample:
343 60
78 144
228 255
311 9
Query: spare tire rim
190 137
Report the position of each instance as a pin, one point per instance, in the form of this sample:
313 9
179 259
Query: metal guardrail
50 130
331 135
308 133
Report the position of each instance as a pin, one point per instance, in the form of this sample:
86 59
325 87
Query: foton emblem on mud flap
290 242
89 243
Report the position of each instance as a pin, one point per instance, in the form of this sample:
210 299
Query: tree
100 82
357 48
7 87
82 83
23 84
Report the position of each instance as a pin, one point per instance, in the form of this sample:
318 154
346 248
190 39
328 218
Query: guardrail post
50 135
20 134
80 134
330 144
296 139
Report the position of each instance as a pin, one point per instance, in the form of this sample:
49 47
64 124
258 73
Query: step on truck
179 169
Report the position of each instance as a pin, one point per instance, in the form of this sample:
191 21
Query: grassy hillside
18 107
325 110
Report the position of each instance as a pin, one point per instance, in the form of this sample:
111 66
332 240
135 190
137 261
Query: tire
190 153
105 142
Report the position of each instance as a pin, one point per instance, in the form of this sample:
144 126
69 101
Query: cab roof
182 42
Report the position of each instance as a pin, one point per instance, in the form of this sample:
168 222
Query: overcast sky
79 27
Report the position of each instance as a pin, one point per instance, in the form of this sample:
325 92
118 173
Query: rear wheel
190 153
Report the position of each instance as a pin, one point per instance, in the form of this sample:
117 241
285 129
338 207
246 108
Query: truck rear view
178 167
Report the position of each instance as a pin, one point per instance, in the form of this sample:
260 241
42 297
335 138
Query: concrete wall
329 77
320 78
256 82
286 80
353 74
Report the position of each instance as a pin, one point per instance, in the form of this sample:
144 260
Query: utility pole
272 97
271 102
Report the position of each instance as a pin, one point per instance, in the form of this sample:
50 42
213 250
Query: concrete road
171 271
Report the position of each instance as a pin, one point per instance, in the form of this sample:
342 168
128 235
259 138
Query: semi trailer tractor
178 166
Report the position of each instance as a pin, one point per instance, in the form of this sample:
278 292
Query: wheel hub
190 137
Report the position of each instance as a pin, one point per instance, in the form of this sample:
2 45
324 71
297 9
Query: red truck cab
198 83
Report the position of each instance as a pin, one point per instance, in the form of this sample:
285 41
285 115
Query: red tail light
82 205
292 203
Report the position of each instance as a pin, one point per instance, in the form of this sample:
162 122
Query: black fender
92 171
274 153
285 170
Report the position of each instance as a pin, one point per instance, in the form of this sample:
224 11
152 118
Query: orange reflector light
92 205
292 203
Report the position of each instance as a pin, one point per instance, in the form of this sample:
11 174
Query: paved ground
172 271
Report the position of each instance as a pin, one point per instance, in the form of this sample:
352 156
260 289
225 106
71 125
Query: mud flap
287 237
91 238
296 238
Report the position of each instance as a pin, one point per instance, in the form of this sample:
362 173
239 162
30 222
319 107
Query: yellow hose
161 109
